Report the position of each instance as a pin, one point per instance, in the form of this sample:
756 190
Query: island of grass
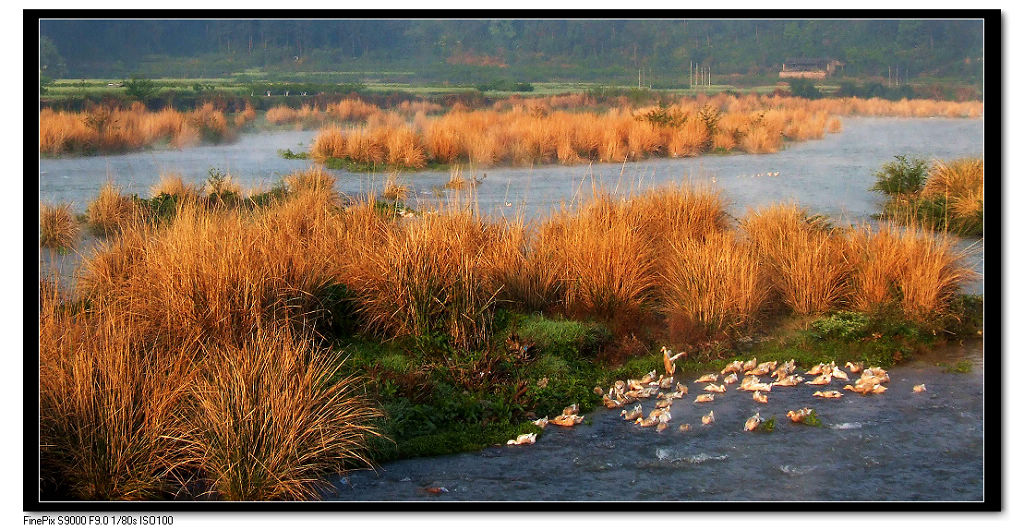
943 195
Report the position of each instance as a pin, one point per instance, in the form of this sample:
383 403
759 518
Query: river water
896 446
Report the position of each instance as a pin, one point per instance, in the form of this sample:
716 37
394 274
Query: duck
752 422
666 383
708 419
822 379
670 360
648 377
647 422
733 367
663 404
637 412
731 378
707 378
598 391
759 397
818 369
661 426
854 368
704 398
571 410
657 414
750 364
829 394
789 380
762 369
610 403
718 389
542 422
797 416
635 384
670 395
919 388
567 420
839 374
682 389
876 371
753 384
523 439
785 369
684 427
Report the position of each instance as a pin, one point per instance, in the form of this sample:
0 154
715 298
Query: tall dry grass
113 129
807 262
425 277
272 420
715 285
111 405
962 177
57 226
111 211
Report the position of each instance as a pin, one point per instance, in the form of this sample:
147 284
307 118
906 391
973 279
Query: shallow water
894 446
829 176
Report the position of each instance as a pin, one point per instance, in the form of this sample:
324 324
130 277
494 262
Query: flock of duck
665 389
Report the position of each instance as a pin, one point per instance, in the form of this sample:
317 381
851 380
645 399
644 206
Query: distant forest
524 50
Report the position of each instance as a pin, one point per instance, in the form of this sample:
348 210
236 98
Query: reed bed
112 129
346 110
111 211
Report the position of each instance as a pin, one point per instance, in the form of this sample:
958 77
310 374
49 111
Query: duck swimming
750 365
718 389
752 422
797 416
839 374
663 404
829 394
919 388
707 378
759 397
567 420
648 377
733 367
637 412
571 410
822 379
762 369
682 389
789 380
543 422
708 419
684 427
854 368
731 378
875 371
704 398
523 439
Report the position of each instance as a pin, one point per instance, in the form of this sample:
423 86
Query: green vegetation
140 89
901 176
287 154
944 196
804 88
768 425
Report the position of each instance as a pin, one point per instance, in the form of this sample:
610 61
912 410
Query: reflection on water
894 446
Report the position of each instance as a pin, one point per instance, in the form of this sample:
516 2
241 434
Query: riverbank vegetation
941 195
325 332
104 129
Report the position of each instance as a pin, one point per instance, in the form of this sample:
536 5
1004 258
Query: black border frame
994 128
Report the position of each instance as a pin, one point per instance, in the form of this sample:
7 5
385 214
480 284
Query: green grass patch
287 154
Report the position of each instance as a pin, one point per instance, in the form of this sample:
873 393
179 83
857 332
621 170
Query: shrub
901 176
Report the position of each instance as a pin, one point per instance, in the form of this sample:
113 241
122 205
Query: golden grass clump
879 258
110 211
111 406
932 273
424 277
314 178
957 178
174 185
716 285
806 262
57 226
272 420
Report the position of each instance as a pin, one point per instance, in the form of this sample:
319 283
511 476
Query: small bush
57 227
901 176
